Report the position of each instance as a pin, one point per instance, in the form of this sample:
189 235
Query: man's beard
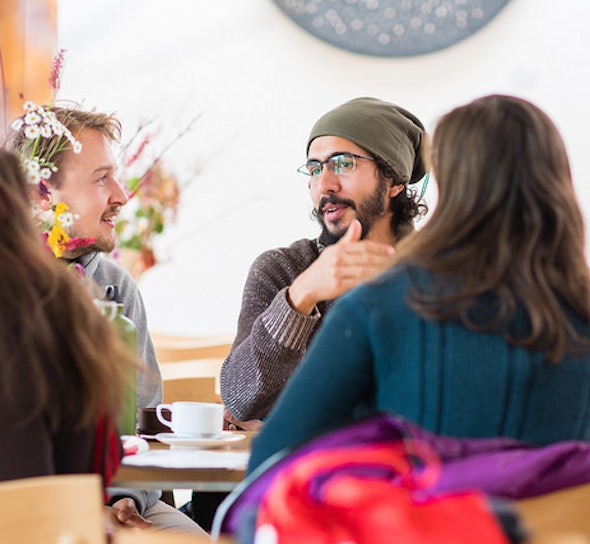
367 212
101 244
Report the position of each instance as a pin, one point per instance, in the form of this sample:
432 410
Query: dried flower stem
56 71
140 128
188 128
131 160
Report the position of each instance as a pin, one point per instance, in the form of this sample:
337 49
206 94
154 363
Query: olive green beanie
385 130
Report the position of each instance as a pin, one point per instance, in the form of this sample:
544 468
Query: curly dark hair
406 206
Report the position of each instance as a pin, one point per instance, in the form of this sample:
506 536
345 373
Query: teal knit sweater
374 353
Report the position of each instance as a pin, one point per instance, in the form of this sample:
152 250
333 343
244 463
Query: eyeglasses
343 163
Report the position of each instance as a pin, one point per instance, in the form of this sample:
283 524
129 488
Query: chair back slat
53 509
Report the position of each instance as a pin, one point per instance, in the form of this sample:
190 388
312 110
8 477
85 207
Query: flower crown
45 136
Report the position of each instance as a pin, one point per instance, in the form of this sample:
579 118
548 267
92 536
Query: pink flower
130 160
56 69
75 243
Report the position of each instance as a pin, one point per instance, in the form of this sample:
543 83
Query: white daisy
46 131
50 116
65 219
33 177
32 165
32 118
17 124
32 132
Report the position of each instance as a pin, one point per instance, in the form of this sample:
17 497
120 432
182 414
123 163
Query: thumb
353 232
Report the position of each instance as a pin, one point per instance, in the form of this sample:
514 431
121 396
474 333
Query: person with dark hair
482 326
361 157
64 371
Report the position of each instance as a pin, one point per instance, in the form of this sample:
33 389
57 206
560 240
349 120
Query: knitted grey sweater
149 382
105 272
271 337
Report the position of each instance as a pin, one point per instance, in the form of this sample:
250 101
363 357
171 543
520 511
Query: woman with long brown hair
482 327
63 371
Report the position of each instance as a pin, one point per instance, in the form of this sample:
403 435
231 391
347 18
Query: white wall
260 83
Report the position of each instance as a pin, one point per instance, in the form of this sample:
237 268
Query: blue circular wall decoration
391 28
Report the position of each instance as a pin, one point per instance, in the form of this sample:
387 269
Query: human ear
42 196
395 190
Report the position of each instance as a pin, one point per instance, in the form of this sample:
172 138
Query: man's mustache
333 199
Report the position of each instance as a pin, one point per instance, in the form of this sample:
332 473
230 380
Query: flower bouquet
154 194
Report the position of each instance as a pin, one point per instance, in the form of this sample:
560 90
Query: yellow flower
58 238
60 208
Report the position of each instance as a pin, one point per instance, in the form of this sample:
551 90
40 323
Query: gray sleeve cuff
143 499
287 326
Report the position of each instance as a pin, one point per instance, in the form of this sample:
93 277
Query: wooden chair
182 348
197 389
188 364
559 538
53 509
190 369
561 516
148 536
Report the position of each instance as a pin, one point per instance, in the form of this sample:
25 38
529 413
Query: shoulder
301 249
297 256
389 290
396 278
105 271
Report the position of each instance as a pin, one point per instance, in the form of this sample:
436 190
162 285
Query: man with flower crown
67 154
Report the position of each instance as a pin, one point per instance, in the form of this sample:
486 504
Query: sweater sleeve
334 379
143 499
271 338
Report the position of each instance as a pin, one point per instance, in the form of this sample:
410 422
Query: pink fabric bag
371 494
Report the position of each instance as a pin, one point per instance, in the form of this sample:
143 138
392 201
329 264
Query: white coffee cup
192 419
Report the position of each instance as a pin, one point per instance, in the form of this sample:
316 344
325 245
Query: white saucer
184 442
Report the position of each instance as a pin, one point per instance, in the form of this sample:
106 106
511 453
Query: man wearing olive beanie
361 157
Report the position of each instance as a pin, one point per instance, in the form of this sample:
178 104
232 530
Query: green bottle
113 311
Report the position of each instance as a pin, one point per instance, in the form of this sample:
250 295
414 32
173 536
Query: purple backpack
499 467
